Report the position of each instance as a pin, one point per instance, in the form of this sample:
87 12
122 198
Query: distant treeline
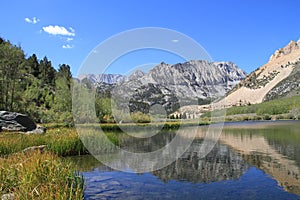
34 87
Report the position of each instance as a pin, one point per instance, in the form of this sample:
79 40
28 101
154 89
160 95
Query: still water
251 160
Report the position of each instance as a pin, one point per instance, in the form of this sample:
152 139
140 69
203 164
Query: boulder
12 121
40 148
38 130
9 196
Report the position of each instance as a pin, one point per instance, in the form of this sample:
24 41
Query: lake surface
251 160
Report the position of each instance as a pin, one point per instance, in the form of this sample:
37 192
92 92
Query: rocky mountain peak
170 86
292 46
136 74
277 78
102 78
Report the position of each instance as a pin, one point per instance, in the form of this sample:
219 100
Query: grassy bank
38 175
284 108
60 141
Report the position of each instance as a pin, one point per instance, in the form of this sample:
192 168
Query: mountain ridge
257 85
105 78
170 85
189 77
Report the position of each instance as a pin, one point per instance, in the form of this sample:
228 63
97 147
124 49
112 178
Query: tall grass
38 175
61 141
64 142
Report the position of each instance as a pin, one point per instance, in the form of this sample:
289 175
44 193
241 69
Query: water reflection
242 153
220 164
271 147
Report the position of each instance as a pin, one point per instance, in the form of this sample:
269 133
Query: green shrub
279 117
290 116
139 117
267 117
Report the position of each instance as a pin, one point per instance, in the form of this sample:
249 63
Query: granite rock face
276 79
292 46
172 86
103 78
196 78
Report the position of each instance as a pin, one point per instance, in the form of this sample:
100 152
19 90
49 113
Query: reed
38 175
61 141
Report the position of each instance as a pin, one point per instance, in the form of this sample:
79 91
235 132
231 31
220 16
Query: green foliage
33 86
140 117
103 109
63 86
11 64
267 117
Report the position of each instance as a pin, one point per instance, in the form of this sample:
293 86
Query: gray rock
40 148
12 121
135 75
17 122
38 130
103 78
9 196
292 46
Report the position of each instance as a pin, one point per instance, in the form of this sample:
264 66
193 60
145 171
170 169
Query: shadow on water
250 161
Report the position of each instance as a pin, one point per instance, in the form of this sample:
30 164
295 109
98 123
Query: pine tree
63 80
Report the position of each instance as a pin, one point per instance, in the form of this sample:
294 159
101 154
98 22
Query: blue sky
244 32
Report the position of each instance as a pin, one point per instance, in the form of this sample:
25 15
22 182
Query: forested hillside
34 87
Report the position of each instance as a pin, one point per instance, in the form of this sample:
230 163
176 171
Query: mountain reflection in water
220 164
249 161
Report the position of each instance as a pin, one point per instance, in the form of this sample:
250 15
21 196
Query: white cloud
70 39
175 41
67 46
59 30
33 20
72 29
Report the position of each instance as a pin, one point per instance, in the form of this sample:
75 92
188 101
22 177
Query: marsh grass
61 141
38 175
140 126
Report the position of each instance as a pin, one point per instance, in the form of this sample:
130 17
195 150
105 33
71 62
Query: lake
251 160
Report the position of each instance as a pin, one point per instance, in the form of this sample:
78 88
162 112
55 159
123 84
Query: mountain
102 78
196 78
136 74
280 77
172 86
